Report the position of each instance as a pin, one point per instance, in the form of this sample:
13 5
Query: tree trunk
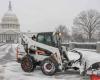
90 37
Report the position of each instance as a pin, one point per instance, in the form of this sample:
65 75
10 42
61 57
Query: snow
98 42
90 57
73 56
4 49
90 43
11 70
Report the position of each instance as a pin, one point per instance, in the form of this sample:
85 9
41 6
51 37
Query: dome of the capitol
10 20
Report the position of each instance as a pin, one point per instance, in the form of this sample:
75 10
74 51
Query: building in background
29 34
9 27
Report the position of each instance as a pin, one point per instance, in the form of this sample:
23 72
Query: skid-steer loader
47 52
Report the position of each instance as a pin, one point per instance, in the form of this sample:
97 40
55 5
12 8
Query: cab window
48 39
41 38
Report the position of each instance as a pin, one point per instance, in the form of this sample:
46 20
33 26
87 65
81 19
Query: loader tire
48 67
28 64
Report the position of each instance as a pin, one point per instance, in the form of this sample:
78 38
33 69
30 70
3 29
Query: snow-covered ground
11 70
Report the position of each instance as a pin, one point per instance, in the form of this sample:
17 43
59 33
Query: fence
73 45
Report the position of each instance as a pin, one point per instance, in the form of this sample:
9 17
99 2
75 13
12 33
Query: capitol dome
10 20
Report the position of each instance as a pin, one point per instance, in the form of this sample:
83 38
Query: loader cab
46 38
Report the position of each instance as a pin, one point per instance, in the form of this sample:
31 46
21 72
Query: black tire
28 64
48 67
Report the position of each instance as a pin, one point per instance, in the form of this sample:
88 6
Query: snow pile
90 57
73 56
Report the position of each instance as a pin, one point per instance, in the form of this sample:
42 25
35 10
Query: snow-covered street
11 70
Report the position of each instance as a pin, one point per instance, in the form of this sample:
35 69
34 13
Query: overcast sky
46 15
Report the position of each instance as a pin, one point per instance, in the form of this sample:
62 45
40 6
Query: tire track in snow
1 44
6 51
69 75
7 57
3 49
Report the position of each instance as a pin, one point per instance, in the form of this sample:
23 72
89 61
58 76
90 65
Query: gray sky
46 15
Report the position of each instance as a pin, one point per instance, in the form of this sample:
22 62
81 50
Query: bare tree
77 36
88 22
65 32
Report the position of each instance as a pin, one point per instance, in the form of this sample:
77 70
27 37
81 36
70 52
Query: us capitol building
10 27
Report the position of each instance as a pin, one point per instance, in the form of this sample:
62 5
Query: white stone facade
9 27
